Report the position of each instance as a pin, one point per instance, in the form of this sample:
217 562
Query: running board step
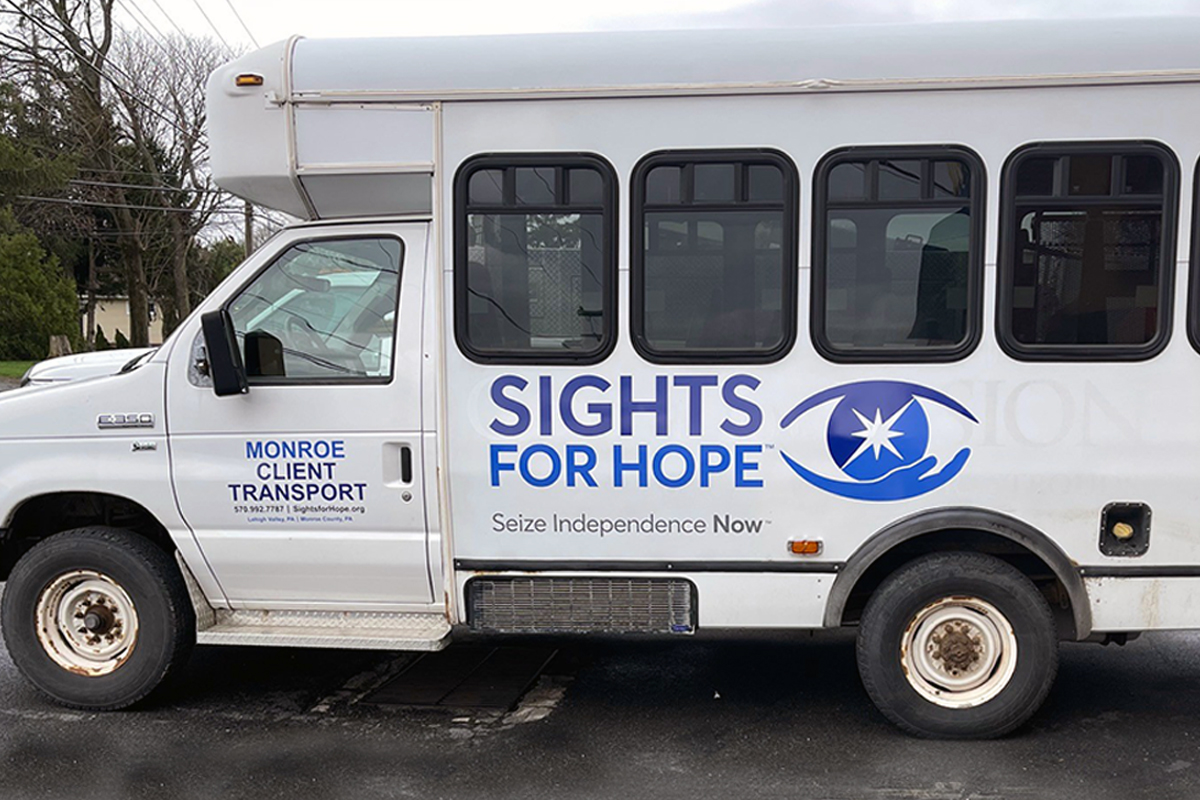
335 629
352 630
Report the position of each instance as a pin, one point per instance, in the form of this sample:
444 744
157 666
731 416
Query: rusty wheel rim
959 652
86 623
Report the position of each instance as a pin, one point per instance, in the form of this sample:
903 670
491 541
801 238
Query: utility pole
249 232
90 332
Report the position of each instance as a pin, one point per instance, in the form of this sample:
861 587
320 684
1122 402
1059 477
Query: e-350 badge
878 436
139 420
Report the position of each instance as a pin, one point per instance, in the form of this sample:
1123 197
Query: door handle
406 464
398 467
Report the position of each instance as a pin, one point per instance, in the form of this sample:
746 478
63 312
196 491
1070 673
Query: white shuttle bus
653 333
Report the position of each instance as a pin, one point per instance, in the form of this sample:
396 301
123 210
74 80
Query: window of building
535 258
714 256
323 311
898 254
1086 250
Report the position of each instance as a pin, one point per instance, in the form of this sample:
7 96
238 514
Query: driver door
306 492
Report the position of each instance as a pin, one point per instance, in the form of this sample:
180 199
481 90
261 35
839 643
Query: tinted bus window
535 258
714 256
897 254
1088 243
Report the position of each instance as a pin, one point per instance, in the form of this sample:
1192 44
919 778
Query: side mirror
224 357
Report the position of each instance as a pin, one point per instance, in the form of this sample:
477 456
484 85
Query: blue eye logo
878 436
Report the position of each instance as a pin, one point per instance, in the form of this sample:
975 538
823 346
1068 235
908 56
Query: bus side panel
1050 443
726 599
1143 604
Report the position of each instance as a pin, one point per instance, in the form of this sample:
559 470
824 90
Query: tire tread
164 572
921 572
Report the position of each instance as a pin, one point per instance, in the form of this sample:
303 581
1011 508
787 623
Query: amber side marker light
248 79
807 547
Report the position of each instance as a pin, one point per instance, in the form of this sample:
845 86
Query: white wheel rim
959 652
86 623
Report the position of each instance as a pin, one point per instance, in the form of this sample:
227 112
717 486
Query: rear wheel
97 618
957 645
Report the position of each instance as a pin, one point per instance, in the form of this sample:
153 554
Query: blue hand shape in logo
878 435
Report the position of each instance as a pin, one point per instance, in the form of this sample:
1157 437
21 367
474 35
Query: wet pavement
756 716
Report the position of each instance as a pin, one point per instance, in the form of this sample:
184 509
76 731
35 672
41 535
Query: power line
39 104
107 77
200 8
163 11
53 35
73 234
120 88
112 185
135 17
149 35
98 204
119 171
243 23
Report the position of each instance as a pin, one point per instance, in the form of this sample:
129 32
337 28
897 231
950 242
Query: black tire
166 621
917 585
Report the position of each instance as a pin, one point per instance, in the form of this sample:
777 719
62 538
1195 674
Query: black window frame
326 239
744 157
977 200
1004 266
608 210
1193 288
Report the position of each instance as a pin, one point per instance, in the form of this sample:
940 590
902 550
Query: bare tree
170 148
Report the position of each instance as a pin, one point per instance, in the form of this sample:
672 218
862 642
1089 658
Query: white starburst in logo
877 434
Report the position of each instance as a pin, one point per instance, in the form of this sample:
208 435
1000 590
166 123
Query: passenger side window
1088 242
535 258
714 256
898 254
323 311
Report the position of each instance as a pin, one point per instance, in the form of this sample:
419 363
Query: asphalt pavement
755 716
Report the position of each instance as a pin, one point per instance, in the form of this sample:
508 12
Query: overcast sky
271 20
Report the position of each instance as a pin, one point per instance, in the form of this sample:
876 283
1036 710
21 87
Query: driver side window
323 311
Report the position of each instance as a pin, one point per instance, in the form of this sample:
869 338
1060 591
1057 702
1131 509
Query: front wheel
97 618
957 646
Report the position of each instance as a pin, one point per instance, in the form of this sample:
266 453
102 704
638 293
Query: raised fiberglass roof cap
449 66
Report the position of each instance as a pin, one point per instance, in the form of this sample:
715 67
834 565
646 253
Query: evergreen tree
37 300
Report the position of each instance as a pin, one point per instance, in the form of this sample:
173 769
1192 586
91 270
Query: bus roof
588 63
295 125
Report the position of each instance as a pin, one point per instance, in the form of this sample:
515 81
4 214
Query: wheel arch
946 529
44 515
